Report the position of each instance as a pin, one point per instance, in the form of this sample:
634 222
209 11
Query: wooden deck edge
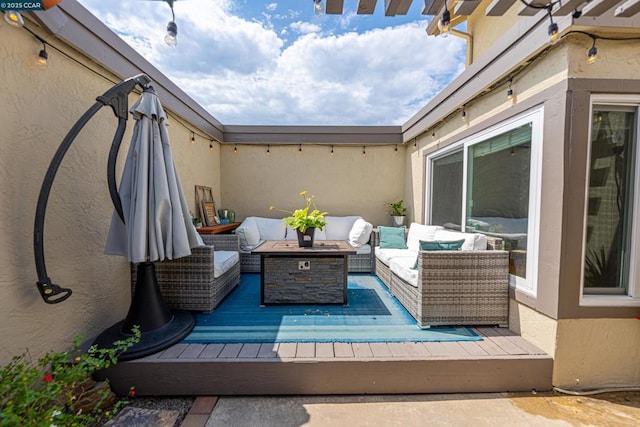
335 376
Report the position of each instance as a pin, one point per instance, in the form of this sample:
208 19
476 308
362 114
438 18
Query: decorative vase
305 240
398 220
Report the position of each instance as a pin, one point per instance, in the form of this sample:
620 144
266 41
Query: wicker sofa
255 230
455 287
200 281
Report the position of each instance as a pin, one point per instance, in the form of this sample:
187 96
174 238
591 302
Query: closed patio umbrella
151 220
153 224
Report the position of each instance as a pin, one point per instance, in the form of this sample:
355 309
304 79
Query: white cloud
244 72
305 27
272 6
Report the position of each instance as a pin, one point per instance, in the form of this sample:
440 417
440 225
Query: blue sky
277 63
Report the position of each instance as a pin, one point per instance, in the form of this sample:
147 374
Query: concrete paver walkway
484 409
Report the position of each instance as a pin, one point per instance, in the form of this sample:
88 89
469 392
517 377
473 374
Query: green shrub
58 389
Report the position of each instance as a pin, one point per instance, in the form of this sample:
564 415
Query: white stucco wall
38 106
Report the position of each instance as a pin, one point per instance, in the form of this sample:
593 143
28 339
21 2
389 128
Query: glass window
610 200
446 190
497 196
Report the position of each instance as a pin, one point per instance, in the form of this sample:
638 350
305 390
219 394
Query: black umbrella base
180 325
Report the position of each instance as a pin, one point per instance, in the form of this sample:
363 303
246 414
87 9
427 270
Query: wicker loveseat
200 281
450 287
255 230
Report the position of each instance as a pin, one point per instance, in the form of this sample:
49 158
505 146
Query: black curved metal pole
117 98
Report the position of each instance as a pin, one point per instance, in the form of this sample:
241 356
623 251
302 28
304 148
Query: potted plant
305 220
197 221
397 212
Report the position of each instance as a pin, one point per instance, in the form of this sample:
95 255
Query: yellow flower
307 217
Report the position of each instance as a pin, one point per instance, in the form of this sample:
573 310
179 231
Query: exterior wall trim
313 134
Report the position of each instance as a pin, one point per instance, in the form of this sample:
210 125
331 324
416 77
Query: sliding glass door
489 184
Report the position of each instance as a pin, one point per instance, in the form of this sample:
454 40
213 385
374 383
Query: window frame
632 297
535 117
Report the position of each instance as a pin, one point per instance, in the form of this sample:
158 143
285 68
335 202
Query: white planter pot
398 220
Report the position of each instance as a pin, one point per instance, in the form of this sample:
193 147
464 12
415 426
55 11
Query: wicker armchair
189 283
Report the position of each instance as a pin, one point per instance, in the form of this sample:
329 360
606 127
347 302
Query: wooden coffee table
290 274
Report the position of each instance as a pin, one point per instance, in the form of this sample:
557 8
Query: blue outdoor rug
373 315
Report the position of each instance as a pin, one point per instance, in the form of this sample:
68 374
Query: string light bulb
445 23
593 52
510 90
364 151
553 27
211 146
268 150
318 7
13 18
395 150
171 38
463 116
332 150
300 149
193 137
43 56
235 149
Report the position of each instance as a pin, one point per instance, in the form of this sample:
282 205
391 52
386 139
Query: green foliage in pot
58 389
304 218
396 208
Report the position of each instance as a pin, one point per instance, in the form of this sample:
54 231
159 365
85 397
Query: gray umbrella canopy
157 224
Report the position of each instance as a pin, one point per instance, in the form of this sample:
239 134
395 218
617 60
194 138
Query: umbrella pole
160 327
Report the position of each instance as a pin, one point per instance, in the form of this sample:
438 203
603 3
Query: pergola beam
396 7
334 7
366 7
499 7
466 7
627 9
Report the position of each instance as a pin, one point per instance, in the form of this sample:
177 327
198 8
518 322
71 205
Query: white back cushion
248 234
338 227
271 228
472 241
360 233
419 232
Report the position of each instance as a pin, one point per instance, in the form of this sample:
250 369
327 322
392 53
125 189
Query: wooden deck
503 361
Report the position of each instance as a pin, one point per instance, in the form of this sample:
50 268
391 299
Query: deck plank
343 349
362 349
306 350
408 349
492 335
287 349
473 348
230 351
211 351
446 349
249 351
521 342
174 351
268 351
380 349
324 350
193 351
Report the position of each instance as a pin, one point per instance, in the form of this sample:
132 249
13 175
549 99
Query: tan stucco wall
38 107
597 353
486 30
346 183
575 345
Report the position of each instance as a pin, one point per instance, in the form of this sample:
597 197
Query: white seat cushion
403 268
271 228
223 261
363 250
419 232
386 255
472 241
360 233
